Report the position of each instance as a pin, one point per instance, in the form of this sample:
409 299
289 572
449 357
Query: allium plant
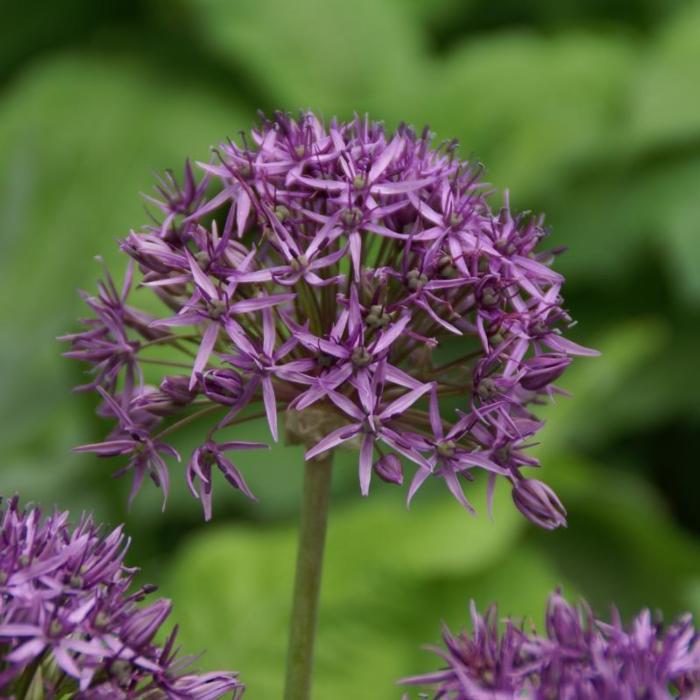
72 625
579 658
353 280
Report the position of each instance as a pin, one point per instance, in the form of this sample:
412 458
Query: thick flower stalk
350 279
73 626
578 658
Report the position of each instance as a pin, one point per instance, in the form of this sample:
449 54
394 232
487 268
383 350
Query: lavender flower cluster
580 658
352 278
71 628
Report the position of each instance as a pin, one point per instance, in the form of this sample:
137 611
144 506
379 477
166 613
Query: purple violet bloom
199 468
353 277
71 624
579 658
132 438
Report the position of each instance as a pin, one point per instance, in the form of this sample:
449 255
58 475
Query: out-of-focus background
588 111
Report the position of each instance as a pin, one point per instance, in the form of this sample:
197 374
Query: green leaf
621 546
436 534
328 55
439 13
617 214
666 100
529 107
589 416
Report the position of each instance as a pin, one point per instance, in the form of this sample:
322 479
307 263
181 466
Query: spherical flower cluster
580 658
353 279
70 625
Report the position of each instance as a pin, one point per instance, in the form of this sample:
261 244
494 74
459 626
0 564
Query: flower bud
389 469
140 628
177 389
543 370
539 504
223 386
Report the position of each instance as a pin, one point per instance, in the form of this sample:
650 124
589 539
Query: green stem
307 583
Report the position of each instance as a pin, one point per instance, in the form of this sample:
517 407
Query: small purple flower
71 625
212 454
580 658
334 270
133 439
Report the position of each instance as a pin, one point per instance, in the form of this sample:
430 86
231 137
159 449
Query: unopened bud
539 504
389 469
543 370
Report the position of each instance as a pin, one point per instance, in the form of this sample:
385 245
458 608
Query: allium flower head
350 279
579 658
73 626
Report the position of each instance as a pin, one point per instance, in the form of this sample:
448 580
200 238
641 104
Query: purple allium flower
579 658
71 624
352 279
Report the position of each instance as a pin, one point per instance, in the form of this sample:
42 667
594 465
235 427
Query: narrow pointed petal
366 451
406 401
270 405
204 353
333 439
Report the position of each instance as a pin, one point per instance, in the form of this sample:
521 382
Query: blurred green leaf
478 17
328 55
232 589
621 545
41 26
666 104
532 569
528 106
438 11
588 416
682 235
636 207
436 534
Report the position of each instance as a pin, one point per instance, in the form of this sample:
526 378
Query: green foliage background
587 110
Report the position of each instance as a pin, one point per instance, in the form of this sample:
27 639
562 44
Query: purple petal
247 305
366 451
204 353
355 244
406 401
26 652
201 280
240 445
401 187
557 342
346 405
270 405
418 479
435 419
333 439
242 211
456 488
66 662
388 336
393 150
269 333
480 460
234 477
239 337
